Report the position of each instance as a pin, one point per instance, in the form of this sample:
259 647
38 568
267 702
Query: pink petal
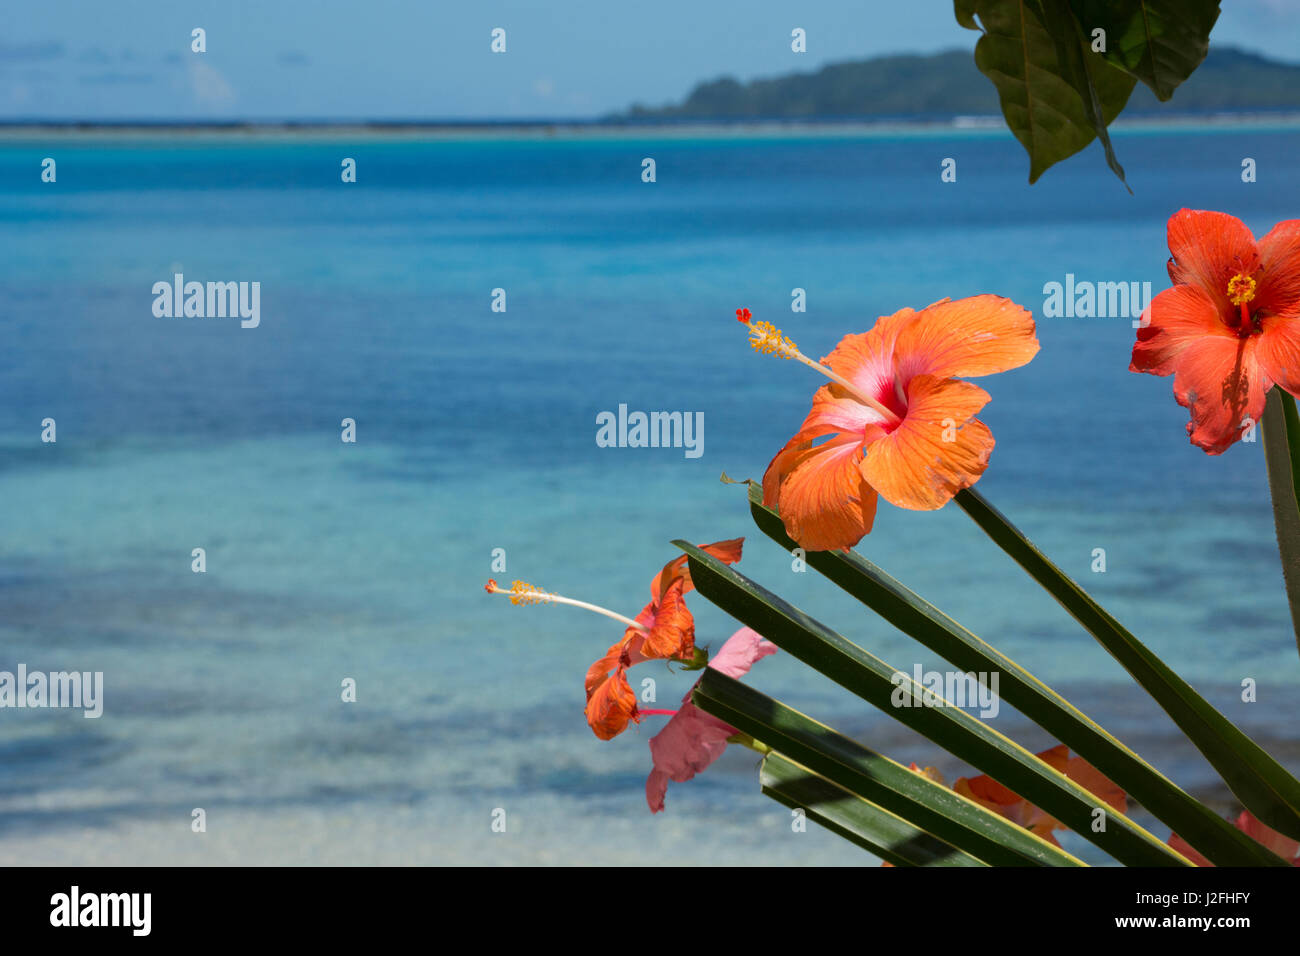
740 652
692 739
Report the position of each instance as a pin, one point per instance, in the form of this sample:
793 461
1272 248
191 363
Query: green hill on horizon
948 84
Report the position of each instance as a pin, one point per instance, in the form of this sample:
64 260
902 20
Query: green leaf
1220 841
860 821
895 693
1282 455
1079 67
1259 781
1161 42
964 11
1046 102
945 814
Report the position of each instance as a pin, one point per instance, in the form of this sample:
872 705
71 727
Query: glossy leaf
951 727
1053 100
1160 42
927 805
1259 781
1281 428
860 821
1206 830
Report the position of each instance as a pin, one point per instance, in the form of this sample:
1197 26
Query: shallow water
476 430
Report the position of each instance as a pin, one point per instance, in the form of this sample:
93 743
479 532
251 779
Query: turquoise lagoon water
476 431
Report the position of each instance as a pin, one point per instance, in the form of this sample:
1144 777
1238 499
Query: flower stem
1281 428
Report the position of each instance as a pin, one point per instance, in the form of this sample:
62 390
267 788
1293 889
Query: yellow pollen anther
521 592
1241 289
766 338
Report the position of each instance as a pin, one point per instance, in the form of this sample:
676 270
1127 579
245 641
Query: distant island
947 85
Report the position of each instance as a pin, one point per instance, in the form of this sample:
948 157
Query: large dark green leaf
860 821
1282 454
1259 781
1220 841
1083 71
914 797
1161 42
1054 99
950 727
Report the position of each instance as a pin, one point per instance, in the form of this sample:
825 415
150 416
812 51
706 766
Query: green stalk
898 696
1282 457
926 805
1221 842
857 820
1259 781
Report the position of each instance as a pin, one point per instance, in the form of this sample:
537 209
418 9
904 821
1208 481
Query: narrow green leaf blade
952 728
1220 841
1282 455
1259 781
860 821
914 797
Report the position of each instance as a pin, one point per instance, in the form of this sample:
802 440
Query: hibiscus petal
1179 845
1176 318
913 466
835 410
741 651
692 739
979 335
1279 281
1097 783
728 552
598 672
673 632
1221 383
990 794
611 706
1208 249
820 494
1283 846
867 360
656 788
1277 350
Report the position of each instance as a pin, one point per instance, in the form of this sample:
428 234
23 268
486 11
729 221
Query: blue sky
430 59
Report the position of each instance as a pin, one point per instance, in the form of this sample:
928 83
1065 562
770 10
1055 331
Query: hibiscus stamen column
1241 290
523 593
766 338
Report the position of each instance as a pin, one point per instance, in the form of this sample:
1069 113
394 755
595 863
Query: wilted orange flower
665 629
896 419
991 795
1227 330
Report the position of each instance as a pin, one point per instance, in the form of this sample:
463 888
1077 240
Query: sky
431 59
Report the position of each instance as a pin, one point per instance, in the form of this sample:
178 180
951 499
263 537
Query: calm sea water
476 431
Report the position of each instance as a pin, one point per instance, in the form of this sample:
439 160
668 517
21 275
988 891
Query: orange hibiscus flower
991 795
664 630
896 419
1229 329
